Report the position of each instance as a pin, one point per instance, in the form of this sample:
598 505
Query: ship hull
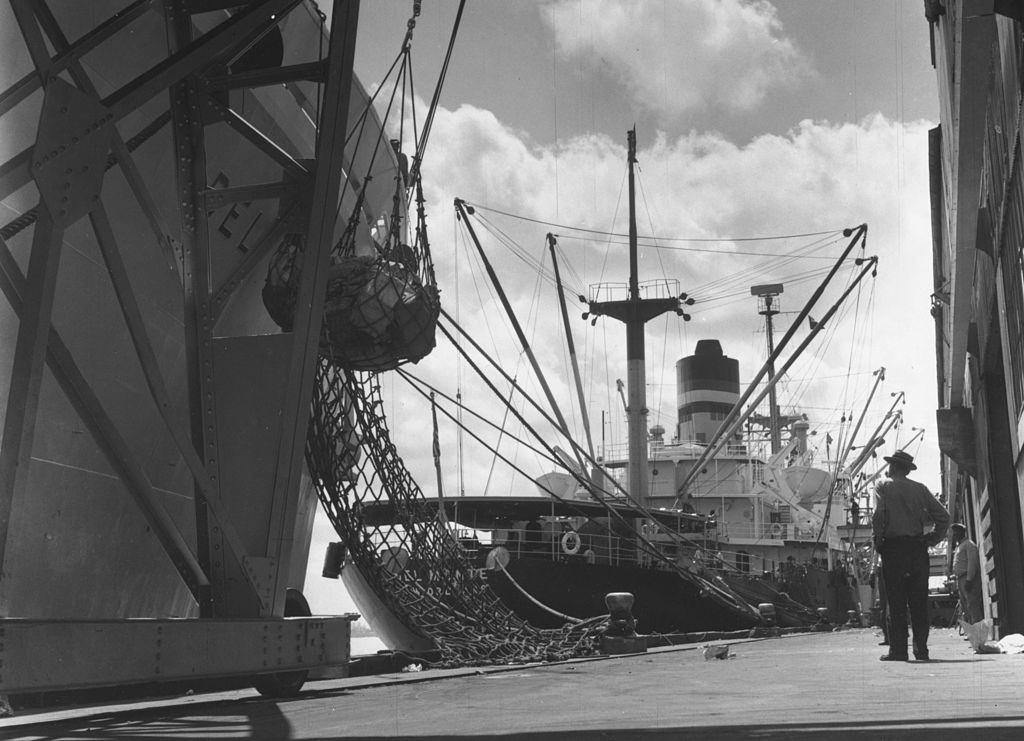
664 602
386 625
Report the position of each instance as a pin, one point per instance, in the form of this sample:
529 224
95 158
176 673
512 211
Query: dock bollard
620 636
823 624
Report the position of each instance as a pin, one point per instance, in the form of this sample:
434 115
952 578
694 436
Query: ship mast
768 309
634 312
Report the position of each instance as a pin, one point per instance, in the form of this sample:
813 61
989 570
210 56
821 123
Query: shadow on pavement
257 719
1008 728
262 720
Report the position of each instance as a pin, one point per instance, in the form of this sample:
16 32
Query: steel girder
239 565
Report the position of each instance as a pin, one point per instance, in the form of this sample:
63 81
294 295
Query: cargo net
413 563
381 305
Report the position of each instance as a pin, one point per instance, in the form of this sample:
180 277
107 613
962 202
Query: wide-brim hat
901 457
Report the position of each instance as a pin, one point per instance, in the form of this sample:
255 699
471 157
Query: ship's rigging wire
615 214
620 491
661 263
517 327
497 445
719 240
428 123
524 255
658 244
818 244
475 262
818 357
644 544
844 442
353 461
424 390
700 292
822 242
459 380
538 603
532 320
540 276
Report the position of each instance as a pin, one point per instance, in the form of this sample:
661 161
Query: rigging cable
642 540
663 239
429 122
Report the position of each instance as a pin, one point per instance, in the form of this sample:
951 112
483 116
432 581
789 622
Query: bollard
620 636
767 612
823 623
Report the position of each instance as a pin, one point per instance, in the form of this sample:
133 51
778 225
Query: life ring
570 543
777 530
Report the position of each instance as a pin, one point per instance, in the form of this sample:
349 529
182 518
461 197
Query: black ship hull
665 602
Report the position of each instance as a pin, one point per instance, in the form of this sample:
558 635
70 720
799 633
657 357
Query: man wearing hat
967 570
903 508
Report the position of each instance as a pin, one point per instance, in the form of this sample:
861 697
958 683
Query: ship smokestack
708 384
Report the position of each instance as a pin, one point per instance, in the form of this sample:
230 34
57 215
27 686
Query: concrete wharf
803 686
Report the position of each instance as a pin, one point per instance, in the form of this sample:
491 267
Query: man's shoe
921 657
890 657
883 643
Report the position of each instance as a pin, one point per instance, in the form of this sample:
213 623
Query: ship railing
779 531
740 561
532 545
600 548
759 531
648 289
620 451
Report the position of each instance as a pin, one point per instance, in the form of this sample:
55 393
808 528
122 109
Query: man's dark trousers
905 570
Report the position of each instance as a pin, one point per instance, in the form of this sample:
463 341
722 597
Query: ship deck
809 685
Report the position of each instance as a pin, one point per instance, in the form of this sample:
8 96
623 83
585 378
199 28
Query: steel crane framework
236 419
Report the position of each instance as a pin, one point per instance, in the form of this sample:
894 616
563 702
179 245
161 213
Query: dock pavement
803 686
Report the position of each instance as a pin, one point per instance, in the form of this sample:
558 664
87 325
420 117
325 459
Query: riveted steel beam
154 379
310 301
128 168
40 655
186 60
32 35
310 71
72 53
27 370
214 198
260 140
238 589
190 177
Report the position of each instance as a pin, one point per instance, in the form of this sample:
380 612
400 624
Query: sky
754 120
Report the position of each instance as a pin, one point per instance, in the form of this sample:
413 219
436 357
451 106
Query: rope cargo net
380 312
414 563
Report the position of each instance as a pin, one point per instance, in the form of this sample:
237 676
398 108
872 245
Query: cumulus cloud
682 56
819 176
